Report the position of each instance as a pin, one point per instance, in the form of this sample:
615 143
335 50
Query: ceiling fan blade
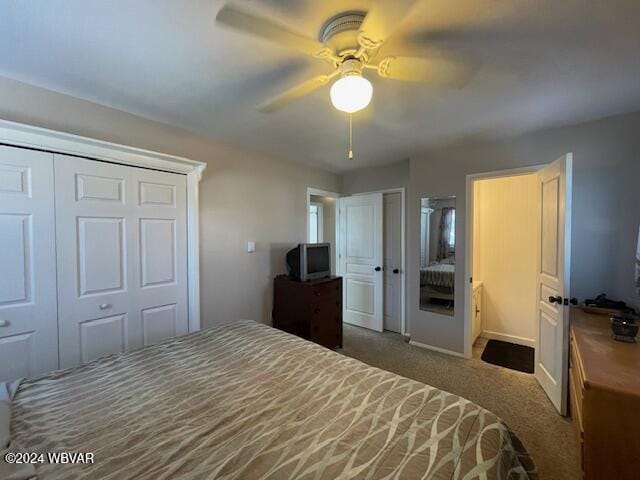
382 20
433 71
245 22
294 93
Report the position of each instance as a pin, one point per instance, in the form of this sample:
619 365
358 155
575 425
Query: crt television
309 261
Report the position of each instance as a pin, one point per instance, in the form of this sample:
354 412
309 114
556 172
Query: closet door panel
93 223
101 255
28 310
122 265
161 288
157 251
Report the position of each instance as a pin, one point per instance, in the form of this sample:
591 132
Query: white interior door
551 355
28 311
121 235
392 263
361 259
160 230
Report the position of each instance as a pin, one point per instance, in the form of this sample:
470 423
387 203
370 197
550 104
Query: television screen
309 261
317 259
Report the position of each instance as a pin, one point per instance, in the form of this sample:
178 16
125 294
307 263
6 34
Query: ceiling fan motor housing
341 32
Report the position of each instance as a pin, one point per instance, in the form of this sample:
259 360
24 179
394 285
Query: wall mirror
437 254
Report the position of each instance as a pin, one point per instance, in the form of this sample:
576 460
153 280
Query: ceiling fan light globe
351 93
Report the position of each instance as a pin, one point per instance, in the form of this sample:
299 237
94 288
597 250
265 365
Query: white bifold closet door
28 325
122 257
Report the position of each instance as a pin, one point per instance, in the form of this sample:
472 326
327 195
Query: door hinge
470 279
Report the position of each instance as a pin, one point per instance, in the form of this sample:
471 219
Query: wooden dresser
604 396
311 310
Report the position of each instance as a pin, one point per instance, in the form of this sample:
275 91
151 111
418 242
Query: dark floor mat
509 355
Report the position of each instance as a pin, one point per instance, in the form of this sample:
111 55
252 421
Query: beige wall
243 196
395 175
505 232
606 213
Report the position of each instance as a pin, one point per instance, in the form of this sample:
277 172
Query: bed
438 274
437 281
248 401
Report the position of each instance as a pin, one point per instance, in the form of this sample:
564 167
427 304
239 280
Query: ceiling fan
350 42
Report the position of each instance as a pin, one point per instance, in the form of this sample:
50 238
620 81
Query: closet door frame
26 136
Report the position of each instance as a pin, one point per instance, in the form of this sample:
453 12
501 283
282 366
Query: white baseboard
527 342
436 349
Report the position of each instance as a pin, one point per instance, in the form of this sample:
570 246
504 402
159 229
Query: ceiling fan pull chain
350 136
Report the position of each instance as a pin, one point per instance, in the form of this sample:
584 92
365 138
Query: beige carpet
514 396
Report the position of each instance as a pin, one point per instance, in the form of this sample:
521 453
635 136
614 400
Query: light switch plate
251 247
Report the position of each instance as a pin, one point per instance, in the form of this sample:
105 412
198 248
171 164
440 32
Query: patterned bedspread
248 401
438 275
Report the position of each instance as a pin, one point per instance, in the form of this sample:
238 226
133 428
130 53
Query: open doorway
504 269
518 262
322 220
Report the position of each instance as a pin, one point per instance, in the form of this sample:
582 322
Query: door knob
4 323
557 299
573 301
377 269
396 271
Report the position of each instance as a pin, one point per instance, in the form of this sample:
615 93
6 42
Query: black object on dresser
311 310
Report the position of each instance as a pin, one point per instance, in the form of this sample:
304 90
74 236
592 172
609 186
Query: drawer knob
4 323
104 306
316 310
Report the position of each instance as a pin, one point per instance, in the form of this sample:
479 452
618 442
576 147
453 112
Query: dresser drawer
329 290
326 312
321 305
326 328
575 402
574 360
575 370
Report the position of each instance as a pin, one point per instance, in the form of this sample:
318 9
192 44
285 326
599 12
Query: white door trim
20 135
405 329
468 241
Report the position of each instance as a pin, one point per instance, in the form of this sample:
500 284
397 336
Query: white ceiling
542 63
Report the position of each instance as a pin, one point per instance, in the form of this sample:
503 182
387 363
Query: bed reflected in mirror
437 254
